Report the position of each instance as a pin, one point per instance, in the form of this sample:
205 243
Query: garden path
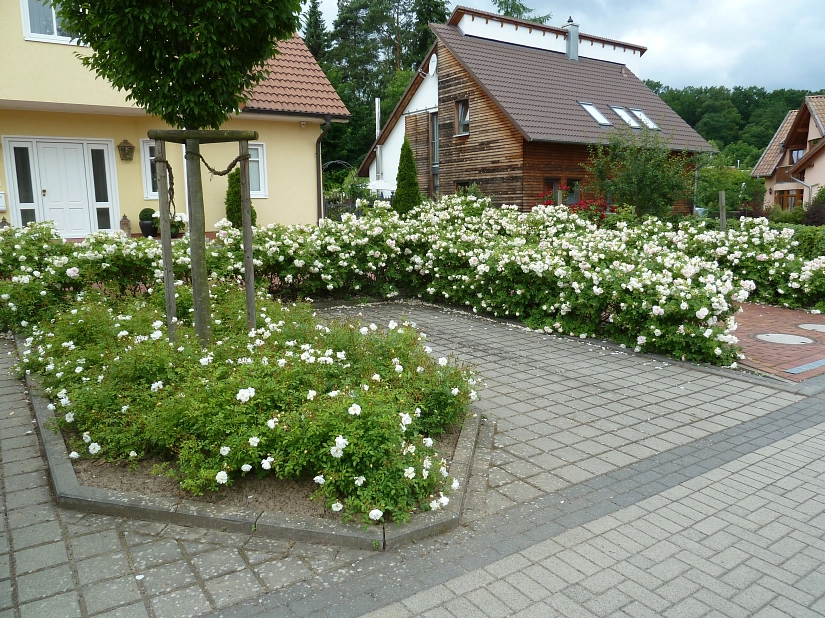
619 484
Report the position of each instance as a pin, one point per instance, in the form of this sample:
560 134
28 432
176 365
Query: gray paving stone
214 563
63 605
135 610
227 590
157 552
108 594
185 603
94 544
102 567
167 577
44 583
38 534
36 558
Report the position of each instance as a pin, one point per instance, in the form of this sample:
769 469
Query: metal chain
172 208
232 165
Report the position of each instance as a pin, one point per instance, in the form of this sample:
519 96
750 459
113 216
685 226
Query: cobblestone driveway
613 485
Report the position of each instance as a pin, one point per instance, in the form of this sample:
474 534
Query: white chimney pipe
377 117
572 39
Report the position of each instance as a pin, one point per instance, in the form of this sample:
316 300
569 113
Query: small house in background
513 106
74 151
789 163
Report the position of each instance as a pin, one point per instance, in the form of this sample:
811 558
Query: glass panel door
25 183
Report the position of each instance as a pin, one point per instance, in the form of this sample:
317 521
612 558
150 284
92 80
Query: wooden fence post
722 212
166 238
246 218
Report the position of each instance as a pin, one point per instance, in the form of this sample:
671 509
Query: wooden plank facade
417 129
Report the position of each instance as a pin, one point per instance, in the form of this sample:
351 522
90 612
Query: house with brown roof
793 164
74 151
513 106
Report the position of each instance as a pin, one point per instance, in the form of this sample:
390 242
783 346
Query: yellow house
65 136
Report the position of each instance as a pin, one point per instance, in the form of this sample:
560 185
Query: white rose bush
355 405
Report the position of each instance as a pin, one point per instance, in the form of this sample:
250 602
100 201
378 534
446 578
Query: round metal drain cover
820 328
784 339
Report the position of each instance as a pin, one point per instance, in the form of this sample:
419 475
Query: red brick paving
775 358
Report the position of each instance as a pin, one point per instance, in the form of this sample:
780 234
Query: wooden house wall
543 160
417 128
491 155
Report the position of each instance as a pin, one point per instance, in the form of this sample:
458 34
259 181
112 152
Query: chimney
572 39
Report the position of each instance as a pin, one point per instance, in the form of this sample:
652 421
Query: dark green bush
233 200
147 214
776 215
407 195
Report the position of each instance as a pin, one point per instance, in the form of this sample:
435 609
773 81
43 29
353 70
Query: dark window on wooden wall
462 117
434 154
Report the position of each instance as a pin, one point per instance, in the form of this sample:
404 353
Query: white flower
399 369
124 408
221 477
359 480
434 506
311 395
455 484
73 272
320 479
69 417
641 339
94 448
376 377
246 468
206 360
271 423
392 325
442 361
157 324
336 451
86 437
156 386
419 369
473 396
373 327
254 441
444 501
245 394
132 454
354 409
74 455
454 391
702 313
428 349
266 464
337 506
444 472
341 442
341 355
657 310
409 473
428 442
376 514
363 330
225 451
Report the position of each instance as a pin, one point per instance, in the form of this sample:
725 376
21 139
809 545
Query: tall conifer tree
427 12
315 31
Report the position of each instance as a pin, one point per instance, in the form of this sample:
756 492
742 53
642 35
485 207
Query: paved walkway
615 485
795 362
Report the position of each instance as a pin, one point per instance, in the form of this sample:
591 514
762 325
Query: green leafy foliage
641 170
294 399
233 201
408 195
189 62
146 214
741 190
519 10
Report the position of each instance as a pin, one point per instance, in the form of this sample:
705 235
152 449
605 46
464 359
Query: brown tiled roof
816 103
296 85
806 161
773 153
540 91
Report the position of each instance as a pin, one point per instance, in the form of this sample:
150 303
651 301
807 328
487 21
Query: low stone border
71 494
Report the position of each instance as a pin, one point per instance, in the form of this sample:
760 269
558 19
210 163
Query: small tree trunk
197 244
166 238
723 224
246 218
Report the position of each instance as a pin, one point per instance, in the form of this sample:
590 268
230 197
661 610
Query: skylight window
621 112
643 117
595 114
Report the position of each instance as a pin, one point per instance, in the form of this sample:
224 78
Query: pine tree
315 31
426 12
519 10
407 194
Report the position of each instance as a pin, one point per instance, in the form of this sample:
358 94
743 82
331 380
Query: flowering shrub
643 285
353 408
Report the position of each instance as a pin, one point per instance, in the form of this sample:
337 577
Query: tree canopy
519 10
740 121
190 62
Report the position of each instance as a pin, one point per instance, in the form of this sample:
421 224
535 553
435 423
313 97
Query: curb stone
70 494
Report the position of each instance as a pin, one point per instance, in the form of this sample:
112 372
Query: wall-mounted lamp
303 125
126 150
770 191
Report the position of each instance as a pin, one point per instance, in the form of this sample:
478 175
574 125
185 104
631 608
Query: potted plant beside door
146 220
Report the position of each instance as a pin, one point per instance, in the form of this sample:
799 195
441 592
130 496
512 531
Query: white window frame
36 36
644 118
260 147
621 112
146 164
595 114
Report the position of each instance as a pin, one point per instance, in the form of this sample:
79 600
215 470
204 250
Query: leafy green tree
393 93
189 62
315 31
640 169
233 200
519 10
407 194
740 189
426 12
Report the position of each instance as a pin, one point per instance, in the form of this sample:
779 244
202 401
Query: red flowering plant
592 210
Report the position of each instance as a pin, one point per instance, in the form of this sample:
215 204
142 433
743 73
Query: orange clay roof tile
296 85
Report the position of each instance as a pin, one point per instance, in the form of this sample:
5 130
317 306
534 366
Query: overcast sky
768 43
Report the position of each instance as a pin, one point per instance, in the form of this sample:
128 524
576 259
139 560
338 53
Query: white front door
68 181
64 187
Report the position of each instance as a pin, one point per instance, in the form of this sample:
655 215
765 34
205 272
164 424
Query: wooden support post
166 238
197 244
559 197
246 218
723 224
